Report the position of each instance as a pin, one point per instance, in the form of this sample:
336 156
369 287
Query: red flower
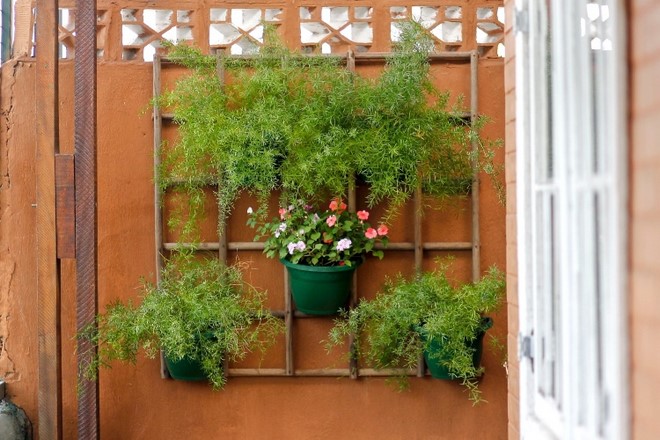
371 233
331 220
382 230
363 215
337 205
282 212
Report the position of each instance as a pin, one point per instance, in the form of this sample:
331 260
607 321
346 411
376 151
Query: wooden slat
65 206
317 372
288 325
474 108
419 254
48 281
258 246
158 206
362 56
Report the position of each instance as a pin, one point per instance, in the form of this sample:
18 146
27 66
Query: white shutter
571 210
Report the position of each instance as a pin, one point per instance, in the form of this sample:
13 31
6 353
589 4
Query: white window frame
572 258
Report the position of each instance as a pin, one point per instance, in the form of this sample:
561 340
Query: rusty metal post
86 243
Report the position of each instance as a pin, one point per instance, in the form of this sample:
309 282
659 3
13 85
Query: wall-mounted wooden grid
418 245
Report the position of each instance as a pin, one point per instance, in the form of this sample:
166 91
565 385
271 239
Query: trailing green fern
407 316
307 126
202 310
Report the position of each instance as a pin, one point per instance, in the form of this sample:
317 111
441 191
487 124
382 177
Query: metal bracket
521 23
526 347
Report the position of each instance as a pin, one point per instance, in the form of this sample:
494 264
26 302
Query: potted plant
307 126
320 250
201 314
425 315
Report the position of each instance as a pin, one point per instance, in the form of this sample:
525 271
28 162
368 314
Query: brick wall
511 257
644 217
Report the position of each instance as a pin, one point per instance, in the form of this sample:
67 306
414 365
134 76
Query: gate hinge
521 23
525 347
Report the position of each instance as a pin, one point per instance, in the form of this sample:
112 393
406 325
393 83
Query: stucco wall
135 402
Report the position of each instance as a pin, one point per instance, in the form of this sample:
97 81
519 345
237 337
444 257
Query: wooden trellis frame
418 246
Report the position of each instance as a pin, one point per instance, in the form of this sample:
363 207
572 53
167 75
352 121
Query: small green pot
320 290
185 368
188 368
435 364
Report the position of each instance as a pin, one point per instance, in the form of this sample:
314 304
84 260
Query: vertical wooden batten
48 281
158 202
474 115
86 216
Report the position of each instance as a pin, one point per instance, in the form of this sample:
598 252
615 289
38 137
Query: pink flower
282 212
337 205
371 233
382 230
331 220
363 215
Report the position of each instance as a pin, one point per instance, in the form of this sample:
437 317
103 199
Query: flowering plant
334 237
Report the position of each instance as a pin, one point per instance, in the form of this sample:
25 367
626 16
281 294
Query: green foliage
389 328
202 310
308 126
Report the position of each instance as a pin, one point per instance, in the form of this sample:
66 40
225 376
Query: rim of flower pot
308 268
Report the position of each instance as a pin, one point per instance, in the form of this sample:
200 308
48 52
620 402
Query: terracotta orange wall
18 294
135 402
644 217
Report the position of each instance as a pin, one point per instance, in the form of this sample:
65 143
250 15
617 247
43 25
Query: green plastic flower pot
188 368
185 368
320 290
435 364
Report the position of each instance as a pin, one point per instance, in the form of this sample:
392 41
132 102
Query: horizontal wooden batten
358 57
259 246
318 372
463 116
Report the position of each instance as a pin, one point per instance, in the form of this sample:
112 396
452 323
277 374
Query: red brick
645 198
510 107
512 309
514 432
645 390
645 298
645 80
645 45
644 140
514 410
645 244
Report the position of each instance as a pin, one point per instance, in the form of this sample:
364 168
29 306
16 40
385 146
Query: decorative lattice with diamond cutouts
490 31
144 29
240 31
332 29
129 31
444 23
67 31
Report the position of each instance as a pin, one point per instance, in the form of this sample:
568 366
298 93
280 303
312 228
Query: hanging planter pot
320 290
189 368
437 364
186 368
